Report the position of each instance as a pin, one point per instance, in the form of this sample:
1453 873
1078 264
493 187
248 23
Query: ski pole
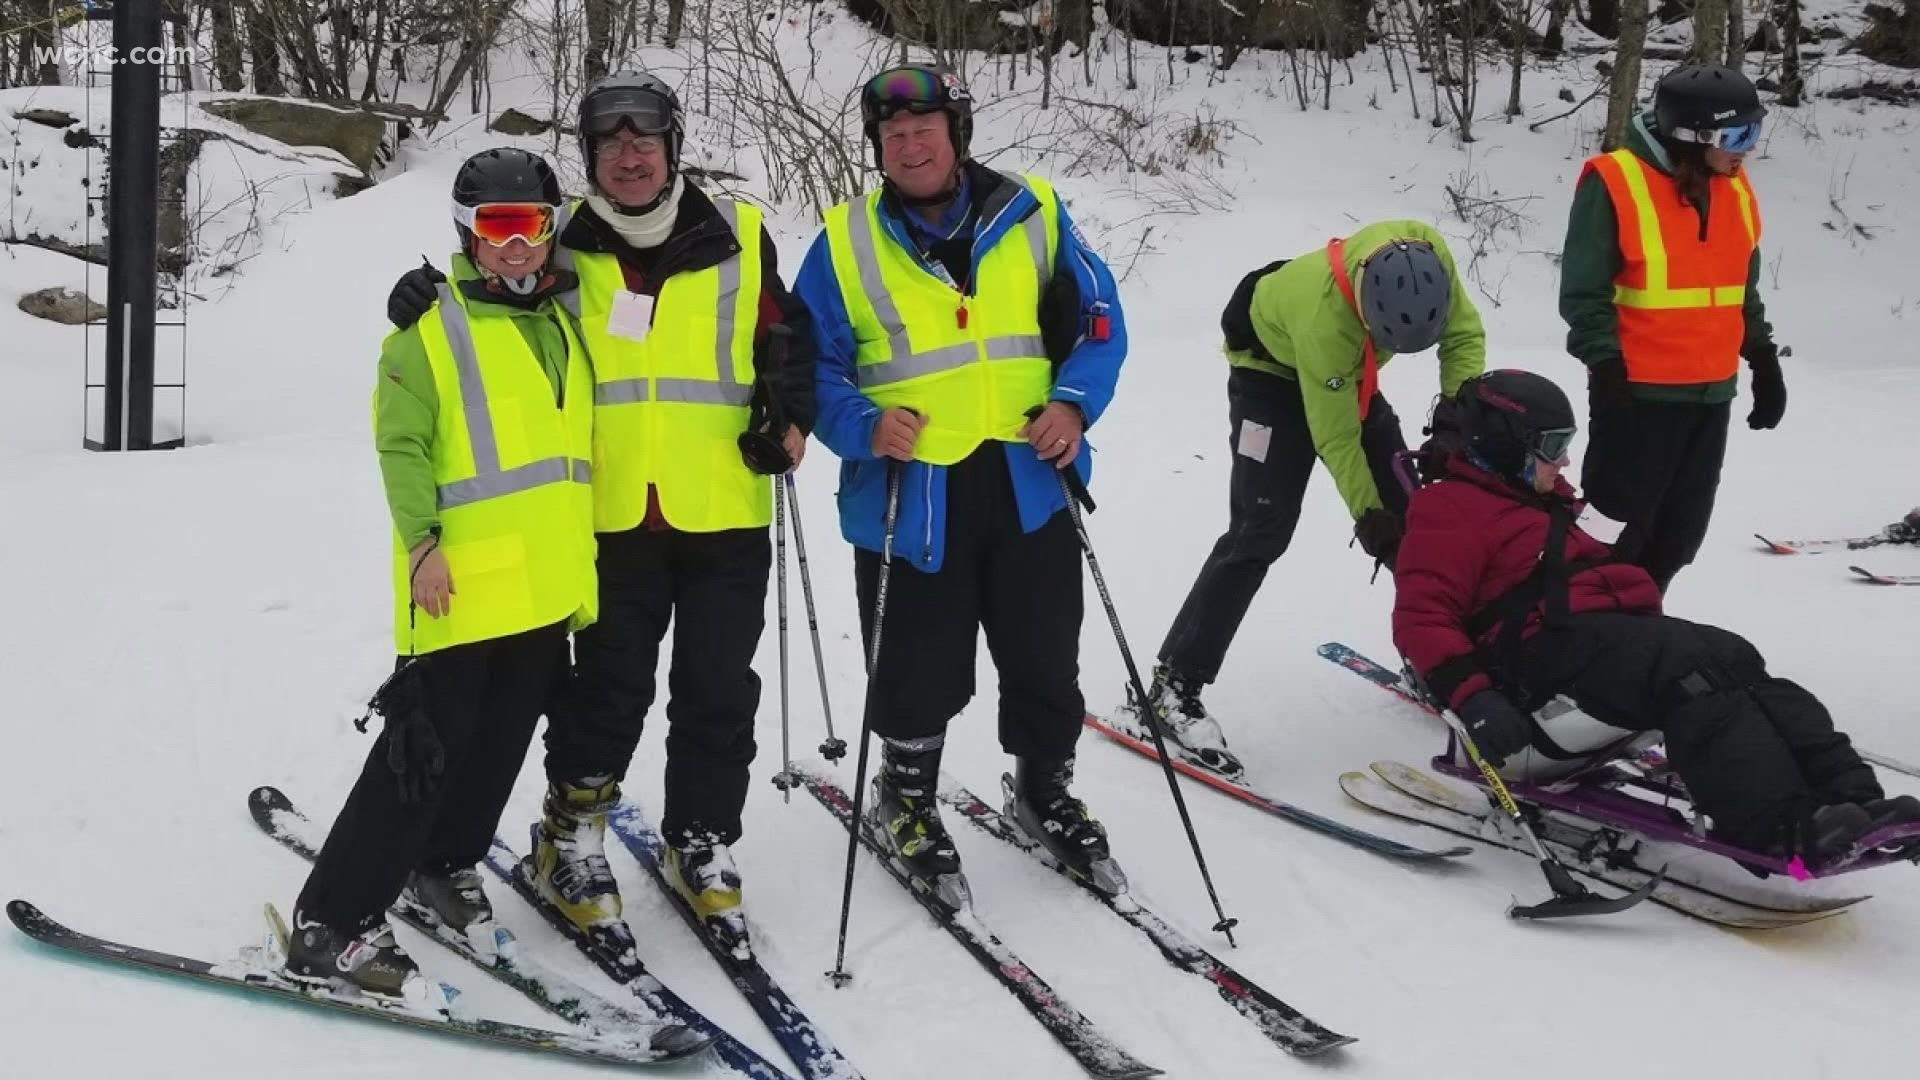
839 974
833 749
1072 487
784 779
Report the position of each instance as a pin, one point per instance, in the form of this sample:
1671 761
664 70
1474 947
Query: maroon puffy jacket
1469 539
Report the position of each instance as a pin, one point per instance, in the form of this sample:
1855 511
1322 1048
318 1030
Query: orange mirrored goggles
500 223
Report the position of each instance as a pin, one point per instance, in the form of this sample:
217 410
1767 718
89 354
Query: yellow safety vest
970 365
668 410
511 470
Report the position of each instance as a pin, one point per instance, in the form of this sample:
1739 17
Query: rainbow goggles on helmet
644 110
1552 444
500 223
909 89
1734 140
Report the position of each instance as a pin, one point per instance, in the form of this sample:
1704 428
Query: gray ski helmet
1693 101
1406 296
504 175
637 100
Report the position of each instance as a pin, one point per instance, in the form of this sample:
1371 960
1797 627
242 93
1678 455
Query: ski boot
569 867
1829 833
906 819
460 905
1175 708
701 870
369 961
1037 800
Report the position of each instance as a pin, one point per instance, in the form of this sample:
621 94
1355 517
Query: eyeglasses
500 223
1552 445
909 89
643 110
1734 140
644 144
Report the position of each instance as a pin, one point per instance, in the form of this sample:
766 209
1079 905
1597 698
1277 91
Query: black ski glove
1609 395
1379 531
414 753
413 294
761 446
1499 729
1769 391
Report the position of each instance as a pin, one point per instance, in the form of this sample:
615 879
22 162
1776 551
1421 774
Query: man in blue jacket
967 337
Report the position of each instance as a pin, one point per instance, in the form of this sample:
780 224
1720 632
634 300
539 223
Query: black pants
713 588
1263 508
1656 468
1023 589
1756 751
484 699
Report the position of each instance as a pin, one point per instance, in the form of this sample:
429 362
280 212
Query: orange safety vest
1680 297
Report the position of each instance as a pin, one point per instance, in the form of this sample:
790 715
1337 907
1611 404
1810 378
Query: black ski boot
460 904
906 815
369 961
1037 799
1830 832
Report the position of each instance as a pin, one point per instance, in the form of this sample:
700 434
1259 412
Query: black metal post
133 182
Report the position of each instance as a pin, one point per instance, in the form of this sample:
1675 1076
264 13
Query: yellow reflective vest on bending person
970 365
673 379
510 465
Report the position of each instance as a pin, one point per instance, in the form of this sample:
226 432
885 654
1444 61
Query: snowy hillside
184 626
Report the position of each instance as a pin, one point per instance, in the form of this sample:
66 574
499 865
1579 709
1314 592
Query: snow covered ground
184 626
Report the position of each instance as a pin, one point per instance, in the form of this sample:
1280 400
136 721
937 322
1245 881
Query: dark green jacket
1590 262
406 404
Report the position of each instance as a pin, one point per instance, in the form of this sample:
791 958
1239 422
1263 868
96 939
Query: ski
1139 743
617 955
1872 578
1820 547
1285 1025
1095 1052
803 1042
258 970
283 822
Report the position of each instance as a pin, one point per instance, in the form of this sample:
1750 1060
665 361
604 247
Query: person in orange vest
1659 286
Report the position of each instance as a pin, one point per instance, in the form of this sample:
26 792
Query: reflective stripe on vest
1679 298
490 481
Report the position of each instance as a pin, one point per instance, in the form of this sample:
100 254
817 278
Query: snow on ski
1286 1026
282 821
806 1044
1139 743
1098 1054
258 972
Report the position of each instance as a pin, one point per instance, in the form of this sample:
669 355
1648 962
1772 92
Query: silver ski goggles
642 110
1552 445
1734 140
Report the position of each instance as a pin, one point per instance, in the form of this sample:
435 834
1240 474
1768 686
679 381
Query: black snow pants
1656 469
1757 752
712 588
484 699
1273 458
1024 589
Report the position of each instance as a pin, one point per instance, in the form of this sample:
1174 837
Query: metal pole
133 164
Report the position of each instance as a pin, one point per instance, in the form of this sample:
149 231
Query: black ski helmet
503 175
1406 296
637 100
1509 415
1694 100
919 89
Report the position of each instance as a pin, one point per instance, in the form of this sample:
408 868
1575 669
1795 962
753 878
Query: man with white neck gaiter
695 409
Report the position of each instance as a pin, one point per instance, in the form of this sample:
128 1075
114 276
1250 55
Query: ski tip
1870 577
1776 548
267 800
26 917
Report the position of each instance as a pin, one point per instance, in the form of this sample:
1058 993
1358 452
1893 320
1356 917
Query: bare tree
1631 46
1556 37
1709 31
599 37
1522 26
1793 87
1736 33
265 48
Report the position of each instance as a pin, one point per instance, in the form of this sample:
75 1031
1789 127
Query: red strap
1370 370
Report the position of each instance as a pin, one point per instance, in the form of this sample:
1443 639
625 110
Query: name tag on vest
632 315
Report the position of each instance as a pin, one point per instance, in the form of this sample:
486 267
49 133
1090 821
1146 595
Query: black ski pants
484 699
1757 752
1655 467
1023 589
712 588
1263 506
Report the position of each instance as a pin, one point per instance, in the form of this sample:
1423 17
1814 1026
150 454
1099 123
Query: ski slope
184 626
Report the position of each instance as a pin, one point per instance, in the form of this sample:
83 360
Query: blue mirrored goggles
1734 140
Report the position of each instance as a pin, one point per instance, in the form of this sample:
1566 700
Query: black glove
1499 729
1609 396
1379 531
1769 391
413 294
414 753
761 446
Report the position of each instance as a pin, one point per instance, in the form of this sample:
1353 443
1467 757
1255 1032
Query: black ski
258 971
1095 1052
805 1043
1289 1028
281 820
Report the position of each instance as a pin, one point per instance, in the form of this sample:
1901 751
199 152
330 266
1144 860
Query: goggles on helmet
646 111
1552 445
500 223
1734 140
914 90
